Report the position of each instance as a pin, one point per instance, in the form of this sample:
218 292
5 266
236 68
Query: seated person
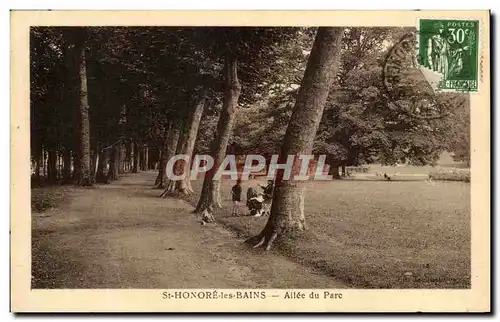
254 202
268 190
251 193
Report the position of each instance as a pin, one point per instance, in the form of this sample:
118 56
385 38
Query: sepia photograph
220 162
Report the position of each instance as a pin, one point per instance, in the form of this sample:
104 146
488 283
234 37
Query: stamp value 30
450 48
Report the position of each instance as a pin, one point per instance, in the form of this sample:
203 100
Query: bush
453 175
357 169
44 198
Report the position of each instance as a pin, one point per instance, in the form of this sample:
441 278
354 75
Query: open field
446 169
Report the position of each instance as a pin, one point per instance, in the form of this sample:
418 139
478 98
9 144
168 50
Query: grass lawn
378 234
445 163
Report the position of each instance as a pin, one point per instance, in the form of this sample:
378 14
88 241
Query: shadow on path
122 235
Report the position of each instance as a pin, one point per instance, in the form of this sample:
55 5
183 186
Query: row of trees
110 100
69 74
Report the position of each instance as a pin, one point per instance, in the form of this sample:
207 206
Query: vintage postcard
250 161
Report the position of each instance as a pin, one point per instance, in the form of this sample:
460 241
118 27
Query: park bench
254 175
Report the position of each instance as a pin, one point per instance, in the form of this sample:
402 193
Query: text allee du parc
241 295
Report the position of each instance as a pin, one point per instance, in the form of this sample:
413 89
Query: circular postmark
410 87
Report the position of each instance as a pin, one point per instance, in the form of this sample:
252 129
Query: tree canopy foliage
361 124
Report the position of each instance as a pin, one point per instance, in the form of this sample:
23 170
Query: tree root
158 185
205 214
207 217
264 240
175 193
184 191
85 182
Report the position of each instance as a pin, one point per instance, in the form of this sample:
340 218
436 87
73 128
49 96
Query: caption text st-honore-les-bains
242 295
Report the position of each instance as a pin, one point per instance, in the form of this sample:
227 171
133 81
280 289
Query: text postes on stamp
450 48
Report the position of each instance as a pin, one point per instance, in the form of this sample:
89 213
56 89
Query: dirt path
123 236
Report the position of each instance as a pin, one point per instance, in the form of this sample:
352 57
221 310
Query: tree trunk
343 171
101 164
113 165
95 164
116 161
122 148
146 158
52 165
85 172
210 195
186 146
160 178
334 170
169 151
179 165
38 162
142 159
76 163
44 164
132 156
136 158
287 210
121 154
71 79
66 165
111 171
59 166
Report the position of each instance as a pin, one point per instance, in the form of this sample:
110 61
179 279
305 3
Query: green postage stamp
449 48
